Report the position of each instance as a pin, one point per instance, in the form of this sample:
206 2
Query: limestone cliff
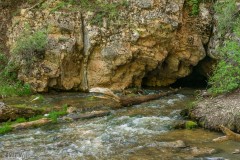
155 40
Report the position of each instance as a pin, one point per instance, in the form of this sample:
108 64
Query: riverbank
211 112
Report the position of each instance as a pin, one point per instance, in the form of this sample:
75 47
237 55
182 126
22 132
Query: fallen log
107 92
129 101
31 124
12 112
229 135
89 115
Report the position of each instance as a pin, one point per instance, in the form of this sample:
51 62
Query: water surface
136 133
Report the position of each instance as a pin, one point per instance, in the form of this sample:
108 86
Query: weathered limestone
157 40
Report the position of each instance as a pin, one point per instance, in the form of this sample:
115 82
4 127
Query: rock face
154 40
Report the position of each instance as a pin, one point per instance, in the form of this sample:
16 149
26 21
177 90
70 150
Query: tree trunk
89 115
129 101
31 124
229 135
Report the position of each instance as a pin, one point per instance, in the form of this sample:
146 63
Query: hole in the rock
197 79
199 76
194 80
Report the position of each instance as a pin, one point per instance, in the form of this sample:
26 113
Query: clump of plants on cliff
194 4
226 76
101 9
9 85
28 47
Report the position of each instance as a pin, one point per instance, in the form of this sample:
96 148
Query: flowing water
136 133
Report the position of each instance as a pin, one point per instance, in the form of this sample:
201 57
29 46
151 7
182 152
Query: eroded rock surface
158 40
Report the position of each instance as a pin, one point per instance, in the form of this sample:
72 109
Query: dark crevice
197 79
194 80
199 76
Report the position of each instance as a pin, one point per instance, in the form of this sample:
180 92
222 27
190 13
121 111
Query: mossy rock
191 125
14 112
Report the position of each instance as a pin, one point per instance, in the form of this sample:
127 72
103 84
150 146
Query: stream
140 132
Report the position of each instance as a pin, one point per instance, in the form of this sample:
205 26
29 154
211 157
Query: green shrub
9 85
30 46
225 11
17 89
226 75
195 6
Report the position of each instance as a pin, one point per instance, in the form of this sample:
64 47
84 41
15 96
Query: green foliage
27 48
20 120
30 45
5 129
195 6
190 105
9 85
190 125
55 114
18 89
226 76
3 61
225 10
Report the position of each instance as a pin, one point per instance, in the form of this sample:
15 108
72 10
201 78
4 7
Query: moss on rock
191 125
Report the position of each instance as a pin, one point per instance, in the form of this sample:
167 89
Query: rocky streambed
143 131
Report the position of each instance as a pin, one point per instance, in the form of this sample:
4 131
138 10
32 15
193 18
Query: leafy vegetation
9 85
226 76
194 6
30 45
53 115
20 120
5 129
226 12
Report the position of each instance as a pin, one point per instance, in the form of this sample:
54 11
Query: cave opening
197 79
194 80
199 76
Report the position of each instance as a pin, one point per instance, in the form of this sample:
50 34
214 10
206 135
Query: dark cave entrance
194 80
199 76
197 79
